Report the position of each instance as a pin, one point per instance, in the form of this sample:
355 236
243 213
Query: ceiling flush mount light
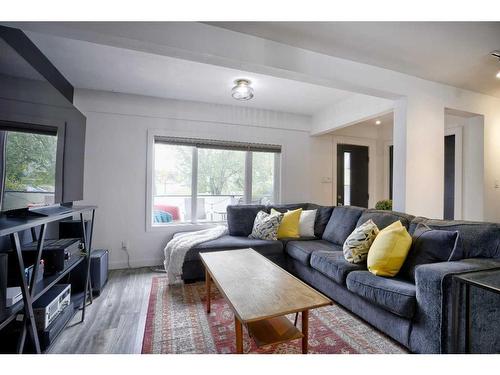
496 54
242 90
378 122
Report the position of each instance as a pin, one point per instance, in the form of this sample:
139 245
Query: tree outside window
220 181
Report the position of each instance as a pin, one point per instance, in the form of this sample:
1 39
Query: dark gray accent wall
34 93
27 102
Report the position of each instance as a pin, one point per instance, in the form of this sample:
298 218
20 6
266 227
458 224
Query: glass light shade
242 90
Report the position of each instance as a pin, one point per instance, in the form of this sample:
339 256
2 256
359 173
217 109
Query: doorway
449 177
352 175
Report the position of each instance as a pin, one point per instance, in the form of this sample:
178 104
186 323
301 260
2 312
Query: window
263 177
29 181
172 183
195 180
221 181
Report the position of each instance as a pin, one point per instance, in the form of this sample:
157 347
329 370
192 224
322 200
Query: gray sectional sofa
416 314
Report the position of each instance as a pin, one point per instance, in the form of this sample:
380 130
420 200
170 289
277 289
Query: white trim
135 263
458 133
152 133
372 152
149 179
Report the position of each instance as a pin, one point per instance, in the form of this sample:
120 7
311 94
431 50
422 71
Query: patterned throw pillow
265 226
358 243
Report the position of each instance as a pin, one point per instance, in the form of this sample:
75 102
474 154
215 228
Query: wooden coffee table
260 294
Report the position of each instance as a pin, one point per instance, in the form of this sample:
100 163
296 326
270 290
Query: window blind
225 145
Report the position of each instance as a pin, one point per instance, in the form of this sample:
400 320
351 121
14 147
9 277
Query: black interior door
391 169
352 175
449 177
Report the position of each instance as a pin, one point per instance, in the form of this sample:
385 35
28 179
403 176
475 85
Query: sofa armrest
432 327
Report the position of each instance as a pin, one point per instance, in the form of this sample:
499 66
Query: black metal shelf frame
40 288
12 227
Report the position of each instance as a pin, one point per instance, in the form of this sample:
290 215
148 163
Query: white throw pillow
306 223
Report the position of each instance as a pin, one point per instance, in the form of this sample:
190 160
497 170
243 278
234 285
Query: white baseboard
135 263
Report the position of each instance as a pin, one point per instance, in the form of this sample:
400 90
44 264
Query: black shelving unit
12 227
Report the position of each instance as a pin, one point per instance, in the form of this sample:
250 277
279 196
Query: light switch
326 180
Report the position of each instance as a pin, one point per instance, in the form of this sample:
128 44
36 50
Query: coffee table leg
207 288
305 330
238 329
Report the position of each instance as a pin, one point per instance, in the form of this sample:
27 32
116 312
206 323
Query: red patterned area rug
177 323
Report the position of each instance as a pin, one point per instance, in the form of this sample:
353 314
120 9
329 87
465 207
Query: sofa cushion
394 295
342 223
334 265
264 247
287 207
385 218
302 250
476 239
430 246
240 218
323 214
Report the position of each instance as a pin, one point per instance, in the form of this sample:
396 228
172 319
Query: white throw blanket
177 247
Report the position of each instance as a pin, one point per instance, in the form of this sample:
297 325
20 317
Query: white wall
324 154
115 159
472 164
349 111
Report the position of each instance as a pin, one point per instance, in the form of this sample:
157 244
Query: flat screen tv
42 134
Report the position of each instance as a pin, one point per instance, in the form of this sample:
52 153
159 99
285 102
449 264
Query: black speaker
99 261
99 270
3 283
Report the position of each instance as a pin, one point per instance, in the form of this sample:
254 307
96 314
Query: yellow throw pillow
289 226
389 250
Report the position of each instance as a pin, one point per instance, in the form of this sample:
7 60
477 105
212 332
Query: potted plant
385 204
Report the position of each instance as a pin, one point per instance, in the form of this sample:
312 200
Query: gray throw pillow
265 226
430 246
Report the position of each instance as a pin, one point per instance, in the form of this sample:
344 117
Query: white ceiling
385 120
454 53
95 66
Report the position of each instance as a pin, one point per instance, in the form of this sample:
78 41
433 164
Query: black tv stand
50 210
13 228
43 211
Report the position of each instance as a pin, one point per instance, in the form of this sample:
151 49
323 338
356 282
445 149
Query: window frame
153 135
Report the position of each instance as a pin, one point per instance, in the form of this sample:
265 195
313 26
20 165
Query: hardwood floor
114 322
